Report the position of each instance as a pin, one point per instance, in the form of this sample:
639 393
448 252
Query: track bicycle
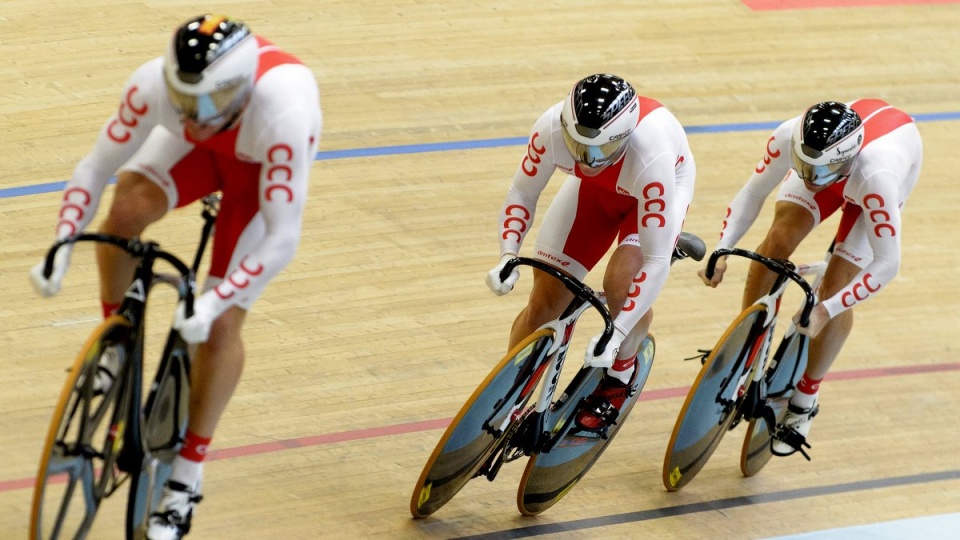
98 439
498 424
739 381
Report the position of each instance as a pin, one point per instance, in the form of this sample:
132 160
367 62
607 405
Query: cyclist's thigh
182 171
137 202
622 269
580 226
548 297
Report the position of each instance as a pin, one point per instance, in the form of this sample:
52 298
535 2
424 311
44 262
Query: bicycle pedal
795 440
701 355
606 413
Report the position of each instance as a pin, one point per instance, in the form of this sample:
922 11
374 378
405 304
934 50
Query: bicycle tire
80 450
467 444
705 418
549 476
164 424
787 367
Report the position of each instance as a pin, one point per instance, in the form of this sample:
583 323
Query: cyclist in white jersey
223 110
862 157
629 181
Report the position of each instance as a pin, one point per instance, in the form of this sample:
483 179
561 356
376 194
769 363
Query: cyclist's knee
137 202
226 334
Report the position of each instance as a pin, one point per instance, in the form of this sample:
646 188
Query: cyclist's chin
197 131
200 132
813 188
591 171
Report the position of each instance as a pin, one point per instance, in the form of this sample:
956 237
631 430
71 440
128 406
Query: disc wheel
781 378
478 429
714 398
549 476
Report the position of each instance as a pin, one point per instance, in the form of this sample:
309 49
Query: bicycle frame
132 427
754 391
536 438
503 421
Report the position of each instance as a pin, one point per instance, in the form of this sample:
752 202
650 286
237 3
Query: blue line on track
328 155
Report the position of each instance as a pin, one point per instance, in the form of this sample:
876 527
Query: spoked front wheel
781 378
475 435
714 398
552 474
78 465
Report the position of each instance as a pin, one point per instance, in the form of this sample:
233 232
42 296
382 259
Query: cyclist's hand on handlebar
819 317
609 354
718 271
499 287
47 287
196 329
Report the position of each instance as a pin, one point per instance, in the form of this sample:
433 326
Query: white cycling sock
802 400
622 370
187 472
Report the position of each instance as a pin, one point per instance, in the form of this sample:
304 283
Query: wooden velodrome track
366 346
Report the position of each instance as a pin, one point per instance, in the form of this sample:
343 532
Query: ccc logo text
860 291
516 222
533 157
279 156
653 205
771 155
874 204
128 116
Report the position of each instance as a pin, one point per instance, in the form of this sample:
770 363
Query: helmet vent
587 131
189 78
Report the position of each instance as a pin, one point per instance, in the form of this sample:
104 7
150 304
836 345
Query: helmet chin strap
229 124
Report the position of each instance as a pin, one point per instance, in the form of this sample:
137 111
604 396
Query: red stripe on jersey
866 107
762 5
606 178
879 123
272 57
647 106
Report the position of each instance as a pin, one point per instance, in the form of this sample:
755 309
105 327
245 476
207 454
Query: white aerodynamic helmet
825 143
597 117
209 68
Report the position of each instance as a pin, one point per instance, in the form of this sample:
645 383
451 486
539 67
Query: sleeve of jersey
881 212
767 175
284 178
659 223
117 141
533 173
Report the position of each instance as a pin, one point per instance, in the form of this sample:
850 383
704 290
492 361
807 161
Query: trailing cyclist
863 158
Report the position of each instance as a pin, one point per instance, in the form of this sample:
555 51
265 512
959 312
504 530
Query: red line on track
767 5
440 423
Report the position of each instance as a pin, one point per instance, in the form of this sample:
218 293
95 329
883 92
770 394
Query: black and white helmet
597 117
825 143
209 68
